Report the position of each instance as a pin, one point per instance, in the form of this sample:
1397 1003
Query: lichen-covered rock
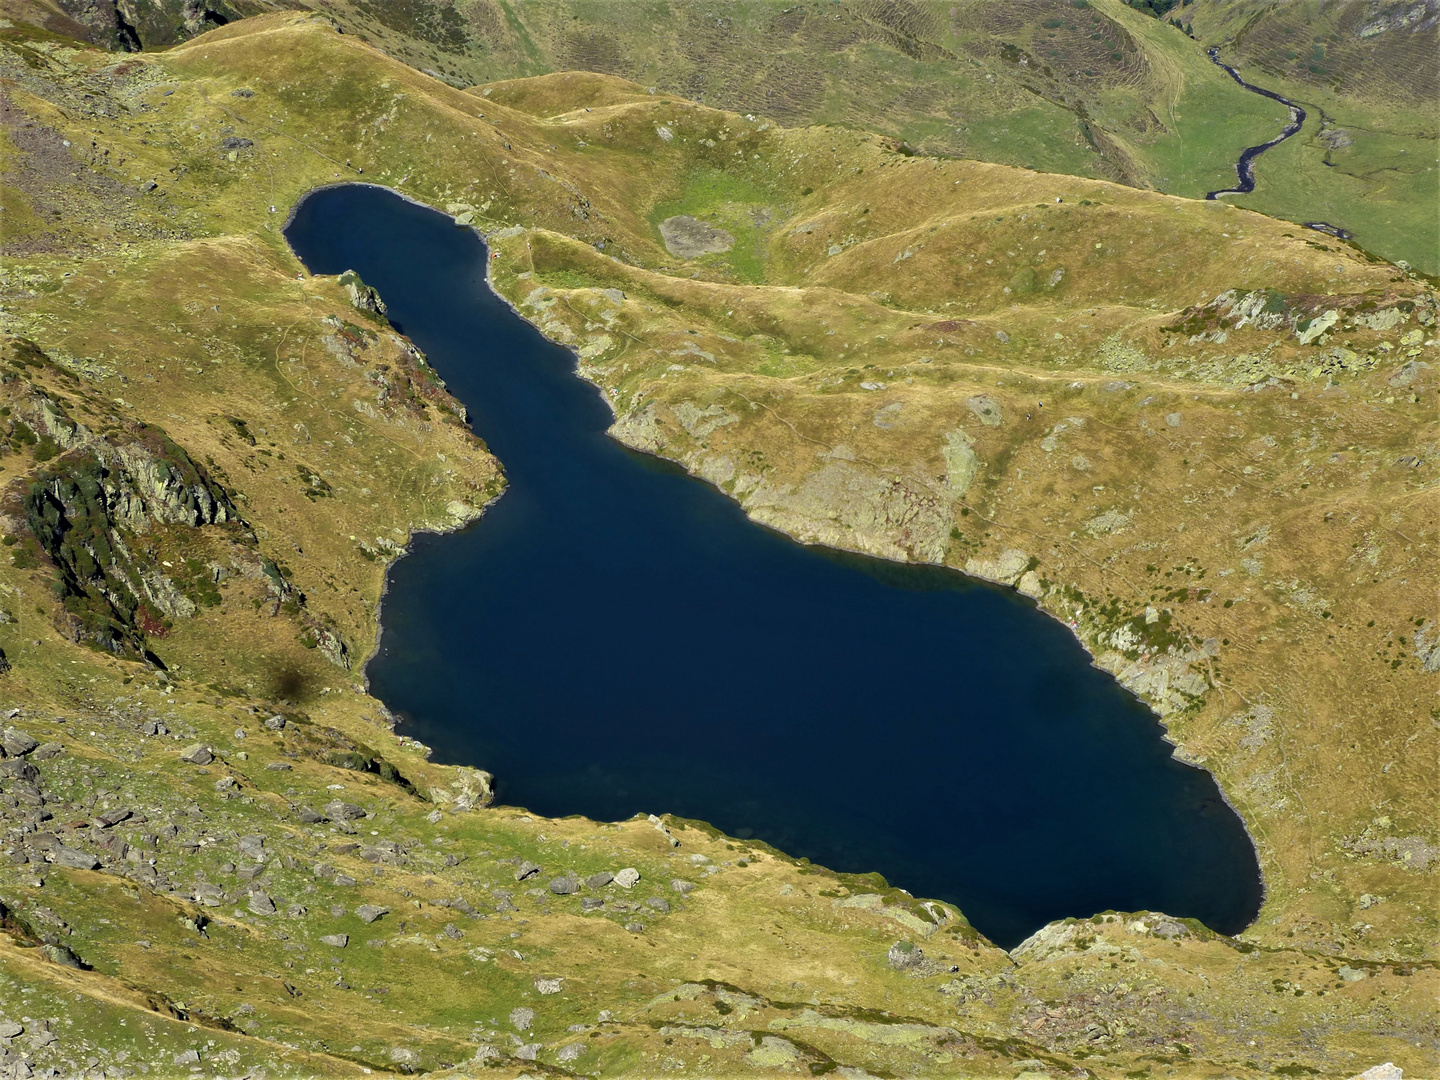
687 237
340 810
904 955
1006 570
961 464
851 506
987 409
197 754
74 858
17 743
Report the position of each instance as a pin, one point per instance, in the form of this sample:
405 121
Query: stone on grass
1170 928
687 237
904 955
9 1029
338 941
402 1056
600 880
368 913
275 723
261 904
1388 1071
73 858
59 954
987 409
197 754
48 750
17 742
549 986
681 886
564 886
340 810
627 878
526 869
188 1057
252 846
659 903
522 1018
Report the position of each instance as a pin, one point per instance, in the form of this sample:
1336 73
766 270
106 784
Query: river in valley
616 637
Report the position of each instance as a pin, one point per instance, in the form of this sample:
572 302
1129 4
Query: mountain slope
1215 447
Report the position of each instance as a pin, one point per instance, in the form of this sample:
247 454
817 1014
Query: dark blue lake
616 637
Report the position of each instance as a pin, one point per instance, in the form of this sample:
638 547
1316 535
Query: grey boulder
199 754
16 742
73 858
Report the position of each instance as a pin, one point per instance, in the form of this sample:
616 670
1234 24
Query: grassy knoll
1227 491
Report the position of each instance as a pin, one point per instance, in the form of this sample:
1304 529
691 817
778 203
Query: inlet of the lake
615 637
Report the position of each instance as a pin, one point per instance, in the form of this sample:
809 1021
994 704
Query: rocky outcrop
362 296
471 789
851 506
86 511
130 26
687 237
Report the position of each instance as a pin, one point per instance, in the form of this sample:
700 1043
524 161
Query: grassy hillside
1091 89
1098 88
1227 491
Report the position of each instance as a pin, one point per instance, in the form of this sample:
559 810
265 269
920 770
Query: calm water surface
616 637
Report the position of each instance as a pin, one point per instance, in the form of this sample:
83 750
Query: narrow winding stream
1245 166
616 637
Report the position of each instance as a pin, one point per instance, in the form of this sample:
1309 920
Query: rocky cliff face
133 25
94 510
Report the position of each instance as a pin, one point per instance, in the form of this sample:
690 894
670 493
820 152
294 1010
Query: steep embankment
1227 489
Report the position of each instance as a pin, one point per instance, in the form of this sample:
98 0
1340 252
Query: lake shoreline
574 370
